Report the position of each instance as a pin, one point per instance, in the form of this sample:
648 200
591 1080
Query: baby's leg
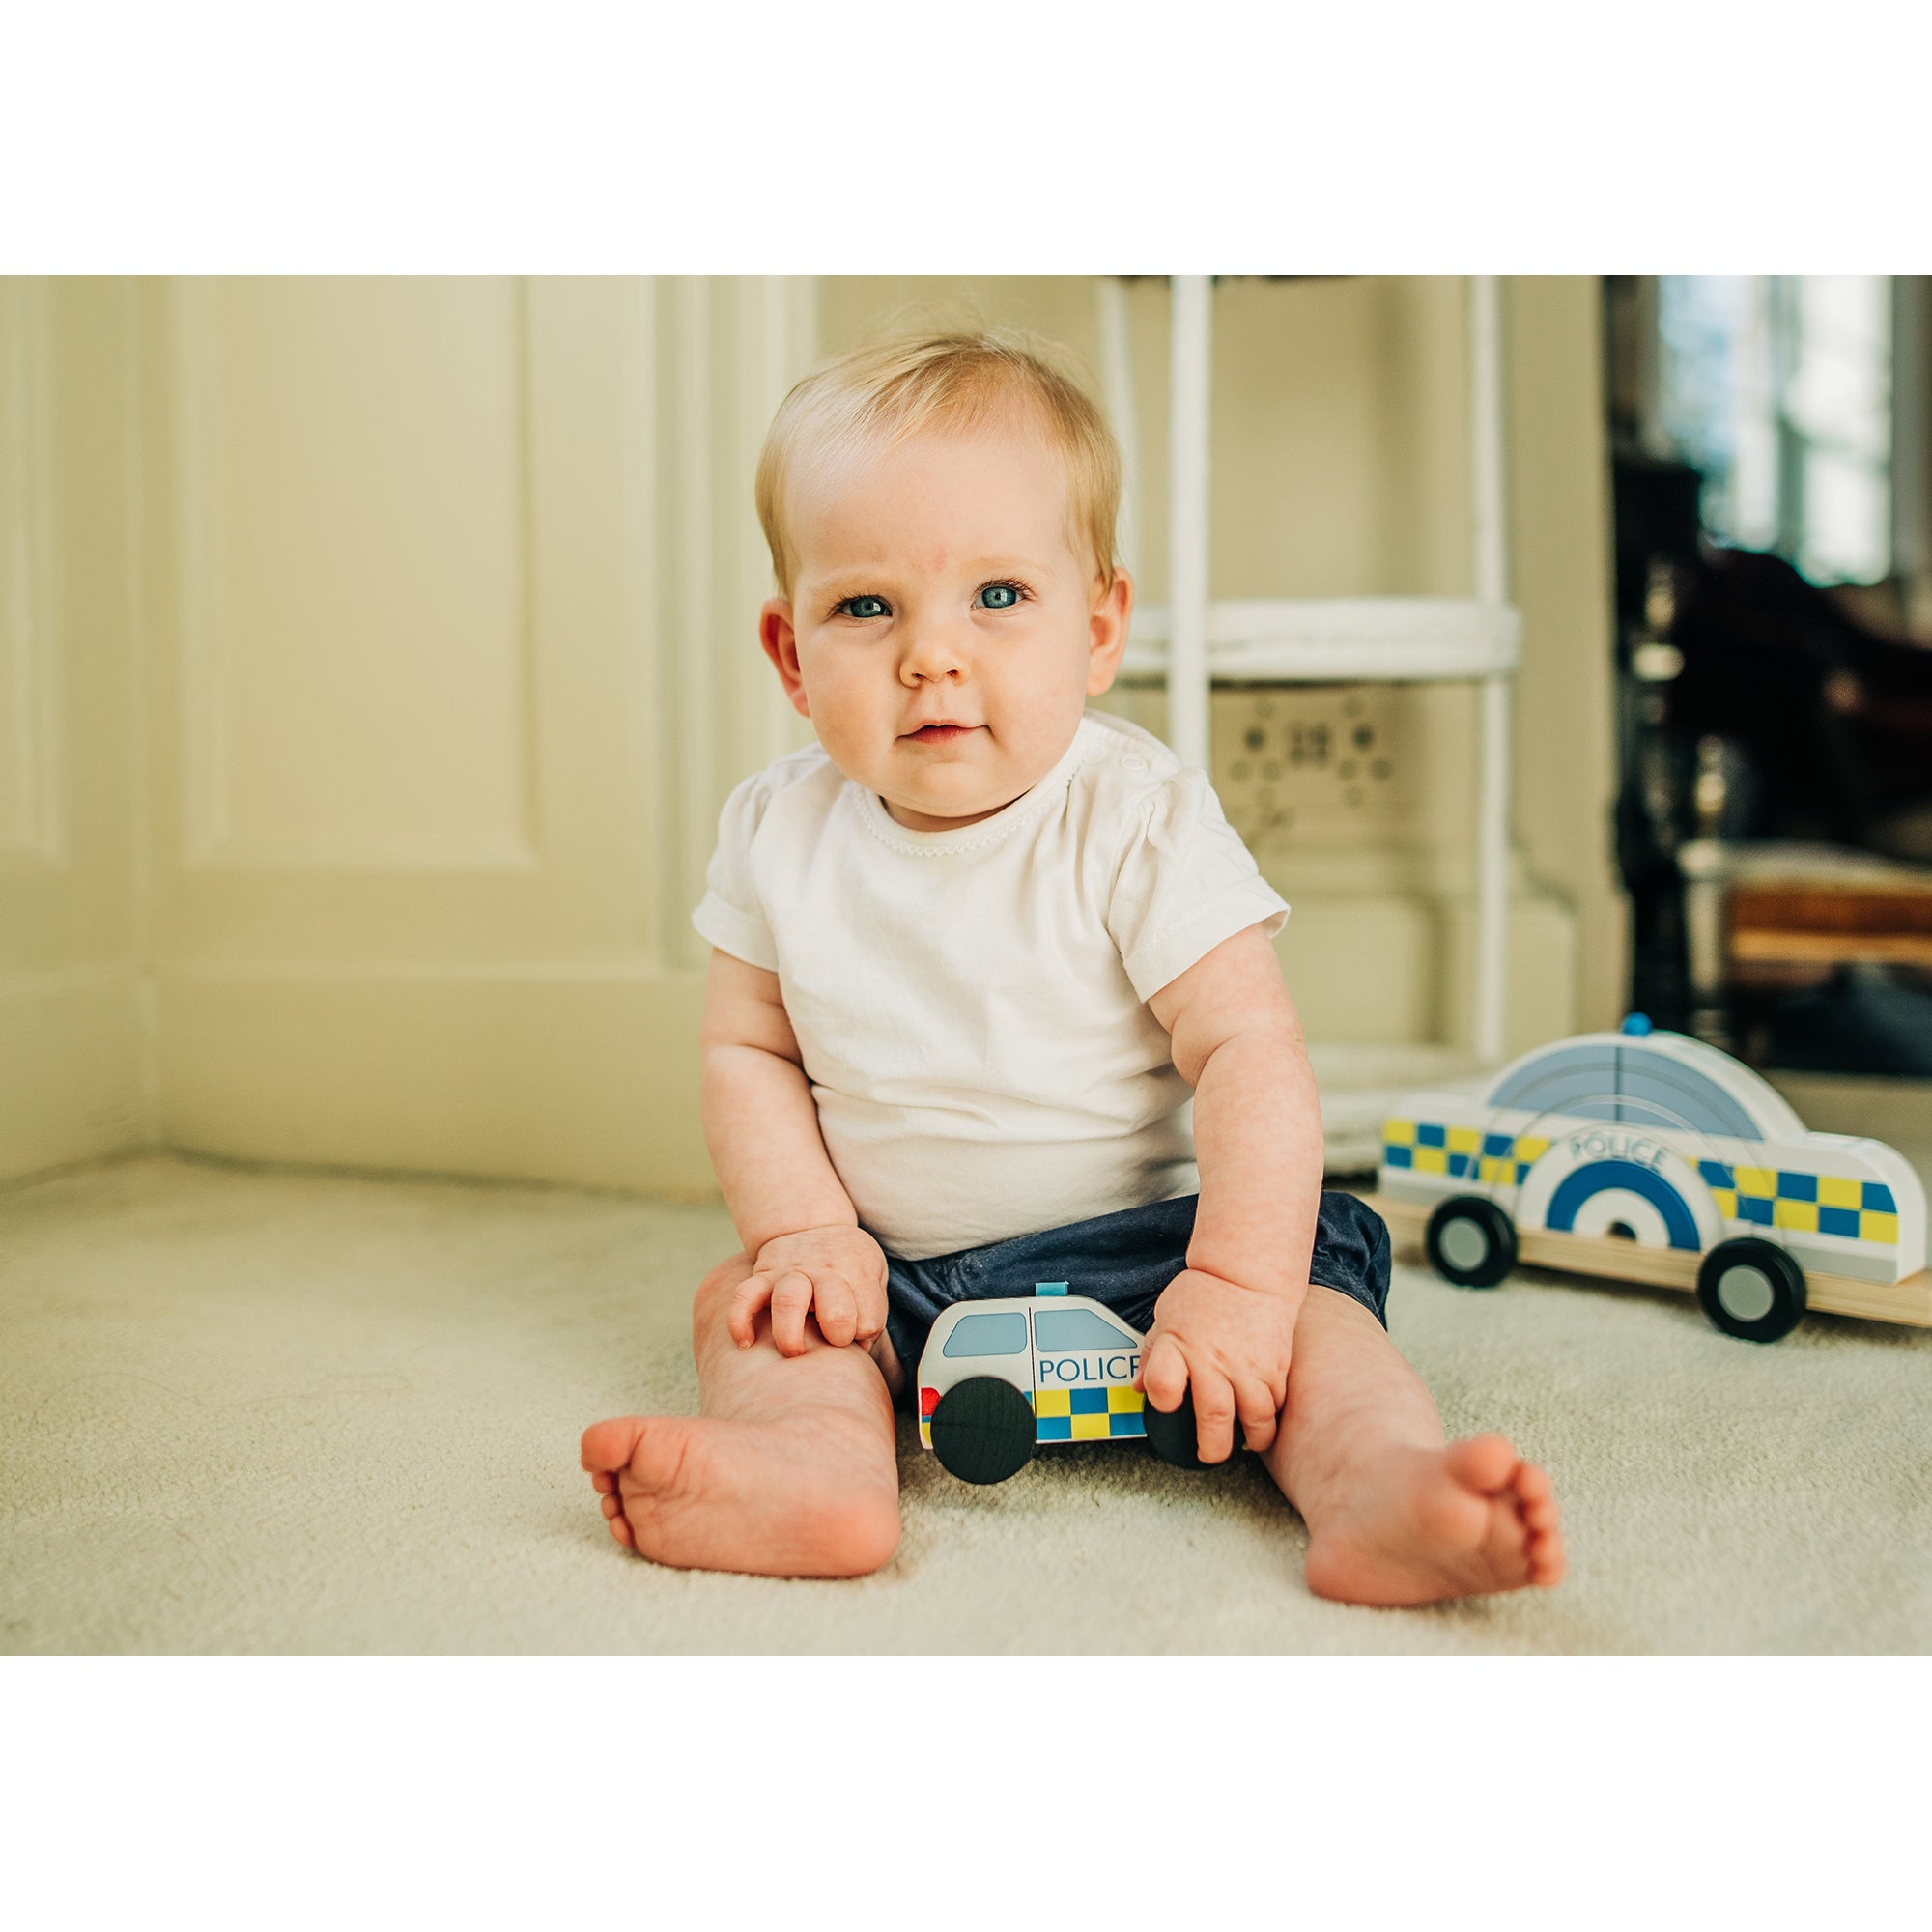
789 1468
1394 1516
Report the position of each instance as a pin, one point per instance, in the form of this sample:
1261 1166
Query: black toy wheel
1471 1241
982 1431
1751 1289
1173 1435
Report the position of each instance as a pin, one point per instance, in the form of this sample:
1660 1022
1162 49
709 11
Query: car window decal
988 1335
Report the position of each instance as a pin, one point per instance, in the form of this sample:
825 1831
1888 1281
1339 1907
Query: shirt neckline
988 831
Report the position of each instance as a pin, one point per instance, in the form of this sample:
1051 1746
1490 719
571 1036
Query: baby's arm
791 1211
1226 1324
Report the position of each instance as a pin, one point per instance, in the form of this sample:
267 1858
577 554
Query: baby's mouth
942 735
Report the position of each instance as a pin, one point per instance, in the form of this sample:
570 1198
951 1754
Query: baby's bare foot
807 1496
1458 1522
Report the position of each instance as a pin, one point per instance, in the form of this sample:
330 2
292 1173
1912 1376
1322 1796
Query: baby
970 953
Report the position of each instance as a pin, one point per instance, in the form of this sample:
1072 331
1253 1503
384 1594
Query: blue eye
1000 596
864 607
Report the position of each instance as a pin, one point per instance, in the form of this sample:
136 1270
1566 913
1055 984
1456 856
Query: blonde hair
888 392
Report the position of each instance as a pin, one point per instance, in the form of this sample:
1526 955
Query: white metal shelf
1339 640
1195 642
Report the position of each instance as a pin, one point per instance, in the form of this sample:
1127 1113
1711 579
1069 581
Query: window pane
1054 1329
1701 321
1778 390
1845 513
1841 387
1752 507
988 1335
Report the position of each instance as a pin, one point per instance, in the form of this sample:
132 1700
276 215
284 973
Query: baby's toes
1506 1547
1546 1559
1542 1521
620 1525
1485 1463
1531 1484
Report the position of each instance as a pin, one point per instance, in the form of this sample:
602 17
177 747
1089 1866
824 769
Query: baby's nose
933 654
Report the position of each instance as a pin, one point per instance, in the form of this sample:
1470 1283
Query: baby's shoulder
803 779
806 766
1126 775
1119 752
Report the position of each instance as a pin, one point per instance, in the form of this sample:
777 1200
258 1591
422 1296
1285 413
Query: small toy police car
998 1378
1654 1157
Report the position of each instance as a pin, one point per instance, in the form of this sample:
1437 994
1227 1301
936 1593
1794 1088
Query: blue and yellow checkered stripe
1077 1415
1087 1415
1466 1154
1809 1204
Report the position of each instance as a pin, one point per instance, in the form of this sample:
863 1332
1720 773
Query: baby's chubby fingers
791 1303
1214 1414
741 1318
1163 1375
837 1307
1259 1417
871 1323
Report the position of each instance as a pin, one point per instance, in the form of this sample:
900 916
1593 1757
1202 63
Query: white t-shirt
971 1006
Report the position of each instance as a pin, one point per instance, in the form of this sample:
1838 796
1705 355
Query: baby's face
944 633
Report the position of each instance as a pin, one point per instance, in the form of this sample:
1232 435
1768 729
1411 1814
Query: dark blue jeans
1122 1260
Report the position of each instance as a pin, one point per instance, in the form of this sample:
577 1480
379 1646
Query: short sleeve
729 914
1186 883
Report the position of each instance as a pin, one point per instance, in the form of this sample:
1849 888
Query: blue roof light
1636 1023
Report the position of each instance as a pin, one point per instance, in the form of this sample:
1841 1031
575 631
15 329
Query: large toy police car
1655 1158
998 1378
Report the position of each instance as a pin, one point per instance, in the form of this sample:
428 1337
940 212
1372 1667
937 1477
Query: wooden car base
1908 1301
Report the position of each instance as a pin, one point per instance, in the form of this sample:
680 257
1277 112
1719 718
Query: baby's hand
1233 1344
837 1274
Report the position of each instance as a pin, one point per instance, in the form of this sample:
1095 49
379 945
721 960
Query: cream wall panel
30 750
1394 967
1365 966
777 340
647 693
1307 499
457 783
71 1037
728 350
1545 941
71 1054
693 651
355 570
586 1078
494 980
1561 538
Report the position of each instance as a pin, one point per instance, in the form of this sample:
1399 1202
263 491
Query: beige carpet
260 1411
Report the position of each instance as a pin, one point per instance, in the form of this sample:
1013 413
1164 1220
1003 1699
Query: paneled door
451 590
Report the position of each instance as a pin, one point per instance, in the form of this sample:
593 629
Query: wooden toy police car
1653 1157
998 1378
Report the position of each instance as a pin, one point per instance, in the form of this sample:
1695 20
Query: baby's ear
781 645
1107 632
